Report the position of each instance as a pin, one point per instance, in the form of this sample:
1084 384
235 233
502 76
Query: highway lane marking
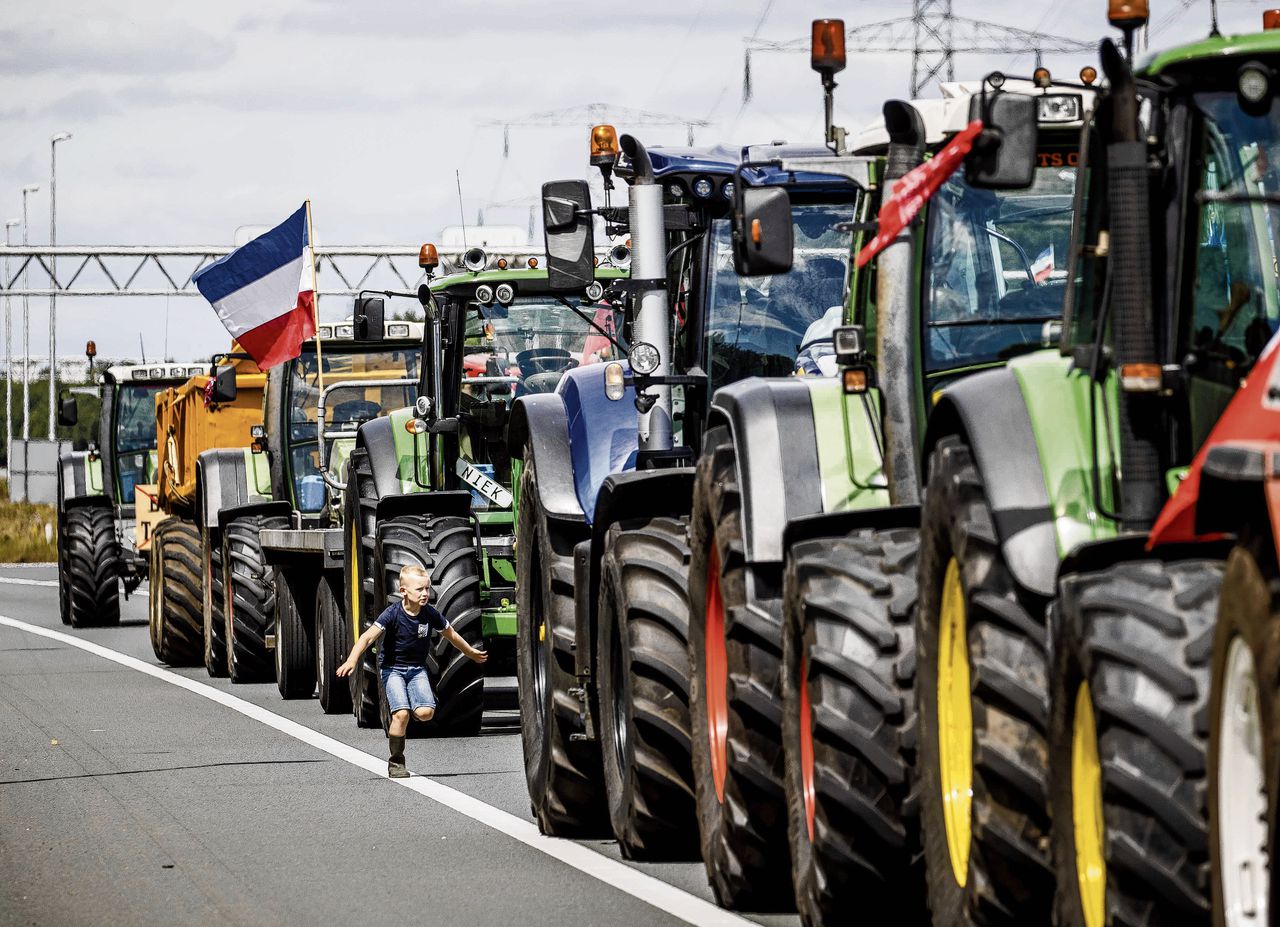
14 581
652 891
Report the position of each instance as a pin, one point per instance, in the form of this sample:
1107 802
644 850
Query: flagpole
315 300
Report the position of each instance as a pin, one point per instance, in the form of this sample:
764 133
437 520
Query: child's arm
365 640
455 638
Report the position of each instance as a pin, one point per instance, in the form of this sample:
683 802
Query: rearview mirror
368 318
1004 155
569 234
68 414
763 237
224 385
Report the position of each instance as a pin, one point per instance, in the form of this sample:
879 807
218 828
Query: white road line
14 581
652 891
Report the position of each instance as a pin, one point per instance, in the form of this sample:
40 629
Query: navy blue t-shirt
406 639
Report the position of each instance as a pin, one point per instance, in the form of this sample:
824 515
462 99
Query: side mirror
368 318
763 237
569 234
224 385
1004 156
68 414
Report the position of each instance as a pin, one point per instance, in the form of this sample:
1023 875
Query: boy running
402 658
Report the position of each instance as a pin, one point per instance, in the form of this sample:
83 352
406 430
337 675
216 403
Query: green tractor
802 595
1063 647
436 484
102 542
258 612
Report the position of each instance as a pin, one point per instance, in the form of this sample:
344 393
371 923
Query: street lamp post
53 274
26 332
8 353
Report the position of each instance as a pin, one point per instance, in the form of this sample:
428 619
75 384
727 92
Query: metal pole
8 357
53 285
26 354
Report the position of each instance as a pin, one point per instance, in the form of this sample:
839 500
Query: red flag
914 189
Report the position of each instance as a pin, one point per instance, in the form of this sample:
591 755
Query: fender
772 427
988 409
1092 556
227 516
622 496
227 481
1234 486
539 428
376 437
838 524
442 502
73 482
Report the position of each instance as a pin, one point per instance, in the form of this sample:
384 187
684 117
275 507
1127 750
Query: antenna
461 214
1213 18
142 348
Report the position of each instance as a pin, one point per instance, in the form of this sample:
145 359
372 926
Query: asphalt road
134 794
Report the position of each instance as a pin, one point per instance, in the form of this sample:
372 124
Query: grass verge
24 537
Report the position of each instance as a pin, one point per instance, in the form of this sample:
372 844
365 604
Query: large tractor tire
360 571
982 709
295 650
249 602
565 779
445 546
643 666
1128 697
333 643
1244 739
89 566
848 726
174 602
735 700
215 628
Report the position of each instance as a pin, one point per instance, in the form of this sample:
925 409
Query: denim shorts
407 688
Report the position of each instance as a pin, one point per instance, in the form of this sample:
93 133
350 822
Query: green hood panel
1057 400
1222 46
849 458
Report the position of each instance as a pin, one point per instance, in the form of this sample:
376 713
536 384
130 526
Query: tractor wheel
359 569
735 700
64 564
445 546
981 710
295 650
566 784
1128 698
848 726
249 602
643 665
92 557
215 629
332 646
175 592
1244 725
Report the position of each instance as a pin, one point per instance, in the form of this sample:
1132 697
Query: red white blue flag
1042 266
263 291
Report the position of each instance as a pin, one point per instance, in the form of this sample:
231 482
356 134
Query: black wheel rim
620 697
537 630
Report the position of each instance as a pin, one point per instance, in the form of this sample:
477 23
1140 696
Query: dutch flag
263 291
1042 266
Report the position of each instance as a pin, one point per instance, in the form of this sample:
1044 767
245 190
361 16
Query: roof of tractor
525 280
946 115
721 162
173 372
1214 47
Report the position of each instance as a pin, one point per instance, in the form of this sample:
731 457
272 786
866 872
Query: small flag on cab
265 291
1042 267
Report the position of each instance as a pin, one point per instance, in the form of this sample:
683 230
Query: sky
189 121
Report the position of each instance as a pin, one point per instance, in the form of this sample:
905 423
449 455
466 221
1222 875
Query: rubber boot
395 766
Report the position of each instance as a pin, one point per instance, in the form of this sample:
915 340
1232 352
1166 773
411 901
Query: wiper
1022 320
1222 196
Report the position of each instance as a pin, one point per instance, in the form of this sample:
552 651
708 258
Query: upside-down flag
263 291
1042 266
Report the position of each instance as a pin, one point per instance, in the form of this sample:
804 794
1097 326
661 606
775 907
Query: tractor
437 483
802 596
1063 648
105 494
607 480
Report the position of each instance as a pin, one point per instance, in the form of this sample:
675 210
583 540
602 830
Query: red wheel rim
717 677
806 747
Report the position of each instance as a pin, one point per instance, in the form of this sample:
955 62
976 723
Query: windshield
997 267
512 351
346 408
757 326
135 435
1235 301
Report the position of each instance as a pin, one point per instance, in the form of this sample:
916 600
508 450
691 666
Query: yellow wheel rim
355 582
955 723
1086 811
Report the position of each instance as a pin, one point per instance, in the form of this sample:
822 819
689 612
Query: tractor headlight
644 358
703 188
505 293
139 374
727 190
345 331
157 373
615 386
398 330
484 294
1059 107
1253 83
594 291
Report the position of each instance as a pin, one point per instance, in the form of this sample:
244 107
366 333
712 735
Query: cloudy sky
191 120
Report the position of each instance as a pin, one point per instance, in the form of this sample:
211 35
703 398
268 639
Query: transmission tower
591 114
933 35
